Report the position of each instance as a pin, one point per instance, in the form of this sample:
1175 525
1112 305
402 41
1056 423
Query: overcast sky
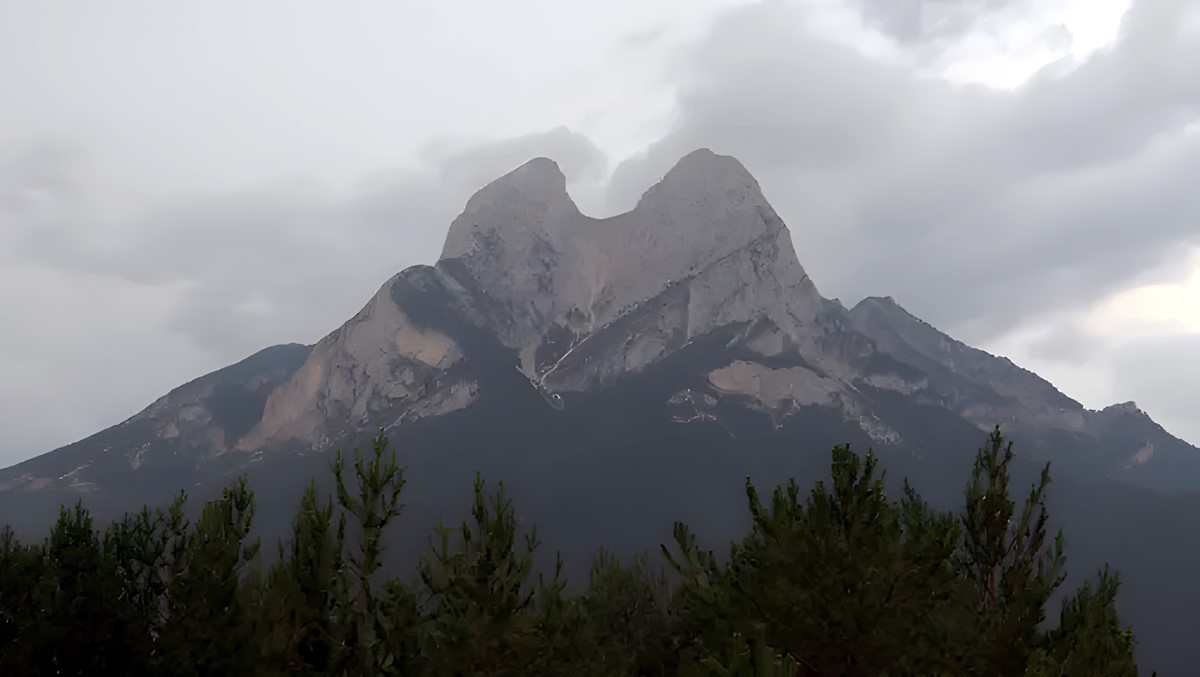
182 184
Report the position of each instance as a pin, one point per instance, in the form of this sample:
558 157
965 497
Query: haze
181 186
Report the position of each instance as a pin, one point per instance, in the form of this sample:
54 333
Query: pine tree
137 546
374 507
21 568
842 581
1012 564
626 613
707 612
85 625
558 642
208 627
1089 639
755 659
477 589
847 581
402 628
296 633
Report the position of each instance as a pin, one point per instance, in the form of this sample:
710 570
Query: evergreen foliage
841 580
1014 568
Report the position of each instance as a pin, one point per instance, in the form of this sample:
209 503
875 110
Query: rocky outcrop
773 388
581 301
180 431
531 293
617 371
985 389
376 362
701 250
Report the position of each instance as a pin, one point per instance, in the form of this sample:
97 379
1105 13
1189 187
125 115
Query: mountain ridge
585 302
633 371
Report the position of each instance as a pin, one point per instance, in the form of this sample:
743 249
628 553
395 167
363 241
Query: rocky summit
636 367
583 303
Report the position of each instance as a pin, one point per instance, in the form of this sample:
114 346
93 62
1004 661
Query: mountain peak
886 306
1124 408
539 178
879 301
522 202
703 161
704 229
703 175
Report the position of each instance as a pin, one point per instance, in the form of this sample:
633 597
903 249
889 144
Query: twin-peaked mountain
580 302
623 370
578 305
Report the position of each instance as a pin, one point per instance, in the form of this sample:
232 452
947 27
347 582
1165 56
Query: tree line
842 580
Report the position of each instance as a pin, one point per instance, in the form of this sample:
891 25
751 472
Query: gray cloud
38 173
1049 196
1030 201
41 195
476 165
1066 342
1163 376
918 20
136 308
643 38
289 262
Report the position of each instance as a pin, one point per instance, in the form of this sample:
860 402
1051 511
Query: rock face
702 249
582 301
378 360
702 271
987 391
632 371
179 432
1000 391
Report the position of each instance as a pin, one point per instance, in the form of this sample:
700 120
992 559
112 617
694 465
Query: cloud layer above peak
1050 196
149 234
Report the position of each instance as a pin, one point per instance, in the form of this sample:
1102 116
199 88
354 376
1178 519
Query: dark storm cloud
1046 197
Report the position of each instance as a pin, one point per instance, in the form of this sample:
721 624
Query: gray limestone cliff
582 301
988 390
376 361
568 305
703 241
623 371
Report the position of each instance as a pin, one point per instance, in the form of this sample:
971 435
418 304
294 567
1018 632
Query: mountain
621 373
